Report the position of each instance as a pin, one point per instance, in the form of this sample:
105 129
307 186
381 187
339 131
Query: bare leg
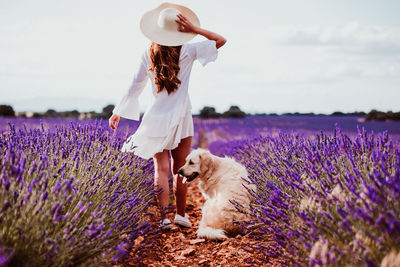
161 171
178 160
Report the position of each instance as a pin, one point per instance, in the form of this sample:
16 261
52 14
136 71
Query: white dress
168 119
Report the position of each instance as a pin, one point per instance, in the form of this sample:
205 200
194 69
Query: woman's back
166 109
204 51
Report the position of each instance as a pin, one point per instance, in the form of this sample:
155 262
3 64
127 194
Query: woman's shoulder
200 43
195 47
204 51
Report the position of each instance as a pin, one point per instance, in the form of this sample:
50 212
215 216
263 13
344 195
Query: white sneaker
165 224
182 221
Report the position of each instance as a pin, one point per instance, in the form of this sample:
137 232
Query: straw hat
159 24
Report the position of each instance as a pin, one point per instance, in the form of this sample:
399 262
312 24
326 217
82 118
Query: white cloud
333 54
351 37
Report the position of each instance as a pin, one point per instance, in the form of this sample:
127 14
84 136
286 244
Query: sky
280 56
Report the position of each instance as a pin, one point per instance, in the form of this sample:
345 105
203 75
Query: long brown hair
165 64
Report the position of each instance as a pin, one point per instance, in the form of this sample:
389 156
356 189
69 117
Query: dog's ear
206 164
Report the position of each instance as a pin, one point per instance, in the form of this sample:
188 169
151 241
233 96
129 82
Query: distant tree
337 113
375 115
37 115
299 114
234 112
51 113
107 111
74 113
7 110
356 113
209 112
94 115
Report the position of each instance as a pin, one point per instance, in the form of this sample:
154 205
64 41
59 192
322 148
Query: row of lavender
67 196
214 132
325 200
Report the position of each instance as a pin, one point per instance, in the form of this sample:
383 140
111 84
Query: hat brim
150 28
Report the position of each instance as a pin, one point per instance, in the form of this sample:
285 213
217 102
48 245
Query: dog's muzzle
190 177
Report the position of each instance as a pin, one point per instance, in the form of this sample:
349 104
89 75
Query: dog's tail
211 233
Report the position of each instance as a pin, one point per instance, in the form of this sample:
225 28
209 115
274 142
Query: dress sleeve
128 107
204 51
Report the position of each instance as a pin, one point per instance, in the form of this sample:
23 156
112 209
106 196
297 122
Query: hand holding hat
185 25
169 24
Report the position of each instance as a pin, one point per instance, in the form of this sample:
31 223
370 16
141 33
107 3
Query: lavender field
328 189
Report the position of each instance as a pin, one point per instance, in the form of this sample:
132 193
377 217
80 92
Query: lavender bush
327 200
68 196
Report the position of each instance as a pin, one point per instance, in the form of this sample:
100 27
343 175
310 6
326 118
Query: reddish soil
181 247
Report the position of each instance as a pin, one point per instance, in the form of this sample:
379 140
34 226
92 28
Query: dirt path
181 247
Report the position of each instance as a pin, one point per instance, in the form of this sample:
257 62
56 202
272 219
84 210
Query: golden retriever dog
220 182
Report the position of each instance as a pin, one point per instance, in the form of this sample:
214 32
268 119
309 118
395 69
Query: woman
167 125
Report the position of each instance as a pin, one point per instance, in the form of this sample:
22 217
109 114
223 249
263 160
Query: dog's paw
211 233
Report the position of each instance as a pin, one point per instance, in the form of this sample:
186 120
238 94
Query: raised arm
186 26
